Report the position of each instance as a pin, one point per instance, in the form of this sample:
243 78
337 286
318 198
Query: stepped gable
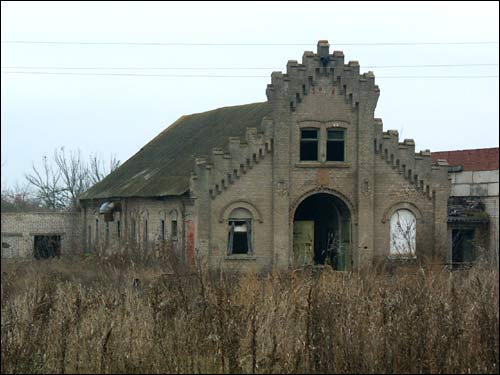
301 78
163 166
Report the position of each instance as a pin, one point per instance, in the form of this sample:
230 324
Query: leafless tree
47 183
59 183
18 198
97 169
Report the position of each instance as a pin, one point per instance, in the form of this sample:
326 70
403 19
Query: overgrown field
122 315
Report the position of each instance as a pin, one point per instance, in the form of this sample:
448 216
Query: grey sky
120 114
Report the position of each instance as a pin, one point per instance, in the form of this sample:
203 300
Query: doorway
47 246
322 232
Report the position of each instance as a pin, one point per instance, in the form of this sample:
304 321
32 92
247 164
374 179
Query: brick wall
20 228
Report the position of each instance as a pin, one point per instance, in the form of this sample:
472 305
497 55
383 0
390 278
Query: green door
303 243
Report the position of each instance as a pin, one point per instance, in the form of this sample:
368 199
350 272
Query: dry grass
88 316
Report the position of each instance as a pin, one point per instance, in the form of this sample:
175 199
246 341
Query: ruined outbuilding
307 177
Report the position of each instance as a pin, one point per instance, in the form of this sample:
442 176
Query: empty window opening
133 229
118 229
462 247
403 234
174 229
162 230
240 232
47 246
145 232
239 239
309 144
107 231
89 237
335 145
96 231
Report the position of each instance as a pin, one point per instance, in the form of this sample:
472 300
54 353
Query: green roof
163 166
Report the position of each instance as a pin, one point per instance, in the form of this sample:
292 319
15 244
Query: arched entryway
322 232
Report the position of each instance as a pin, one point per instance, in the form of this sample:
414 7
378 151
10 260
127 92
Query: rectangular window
174 229
335 145
240 237
162 230
96 231
133 229
309 144
107 231
89 238
118 229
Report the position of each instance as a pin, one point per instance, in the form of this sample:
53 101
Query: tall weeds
127 314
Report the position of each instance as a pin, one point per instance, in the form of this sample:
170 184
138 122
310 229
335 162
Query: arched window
239 232
403 233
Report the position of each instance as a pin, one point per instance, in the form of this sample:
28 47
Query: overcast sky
120 114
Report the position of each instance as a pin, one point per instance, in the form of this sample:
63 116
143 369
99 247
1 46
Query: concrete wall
19 230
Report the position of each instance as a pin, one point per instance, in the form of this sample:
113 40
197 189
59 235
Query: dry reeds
126 315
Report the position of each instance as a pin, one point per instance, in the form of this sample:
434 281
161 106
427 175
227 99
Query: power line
215 76
246 44
234 68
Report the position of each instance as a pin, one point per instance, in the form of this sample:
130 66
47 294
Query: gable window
403 234
309 144
240 232
335 145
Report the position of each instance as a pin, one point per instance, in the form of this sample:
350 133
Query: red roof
481 159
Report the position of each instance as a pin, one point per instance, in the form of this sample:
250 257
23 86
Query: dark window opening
162 230
118 229
133 229
174 229
309 144
89 237
335 145
239 241
96 230
462 247
47 247
107 231
145 232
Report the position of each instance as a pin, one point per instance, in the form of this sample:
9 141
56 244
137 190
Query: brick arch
402 206
333 192
240 204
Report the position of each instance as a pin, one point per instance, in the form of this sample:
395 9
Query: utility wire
246 44
234 68
216 76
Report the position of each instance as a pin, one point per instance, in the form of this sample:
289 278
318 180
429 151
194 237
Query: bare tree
47 183
97 169
59 183
19 198
74 175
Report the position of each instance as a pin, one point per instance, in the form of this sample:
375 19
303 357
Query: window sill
326 164
243 257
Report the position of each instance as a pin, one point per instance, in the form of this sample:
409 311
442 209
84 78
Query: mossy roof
162 167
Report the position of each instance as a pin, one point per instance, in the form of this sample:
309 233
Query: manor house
307 177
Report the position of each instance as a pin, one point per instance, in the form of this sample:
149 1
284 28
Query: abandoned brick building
307 177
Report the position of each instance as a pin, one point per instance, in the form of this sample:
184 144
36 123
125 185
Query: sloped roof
482 159
163 166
